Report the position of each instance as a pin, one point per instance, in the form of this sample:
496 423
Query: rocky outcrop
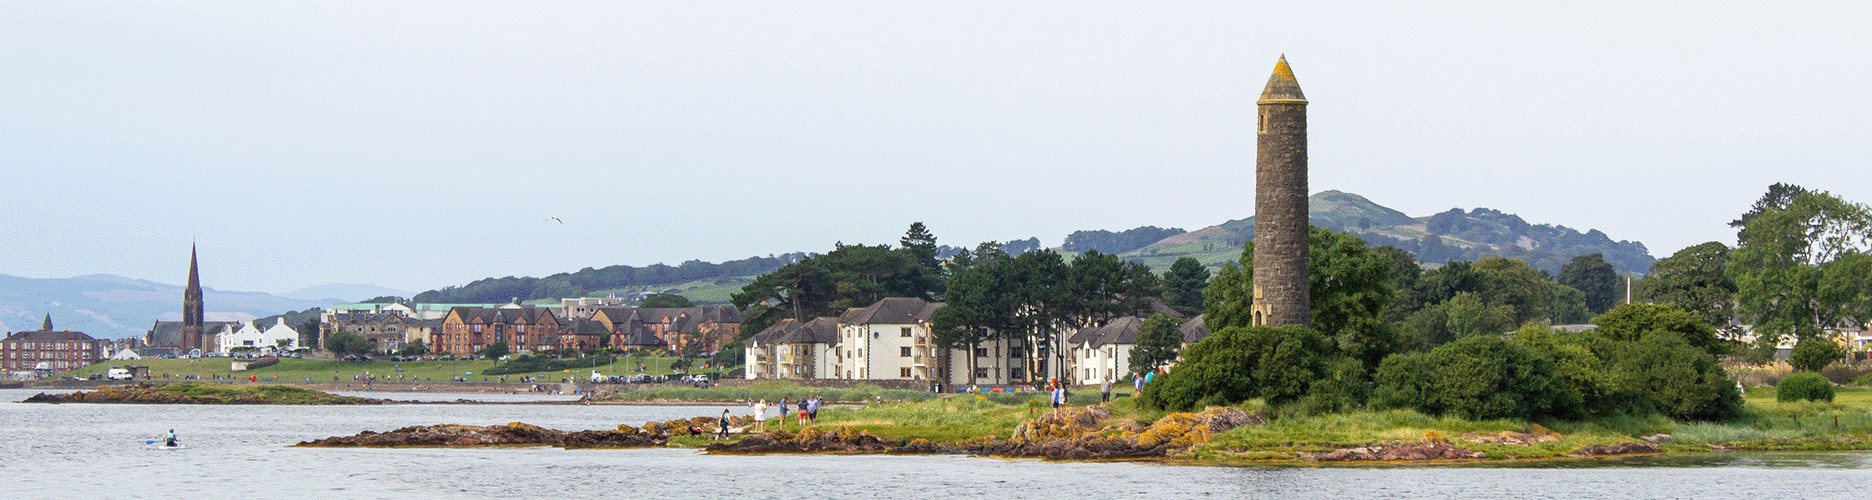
1073 433
1511 438
522 434
1616 449
809 440
1421 450
146 393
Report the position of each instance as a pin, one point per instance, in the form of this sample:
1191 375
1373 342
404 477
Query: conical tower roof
48 323
194 275
1282 88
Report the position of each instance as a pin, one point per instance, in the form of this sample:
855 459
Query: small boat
160 445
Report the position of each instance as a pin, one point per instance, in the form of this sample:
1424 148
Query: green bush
531 363
1811 355
1631 322
1665 373
1864 380
1477 378
1241 363
1808 386
1660 371
1342 389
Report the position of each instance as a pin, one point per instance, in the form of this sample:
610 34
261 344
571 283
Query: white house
1104 351
794 350
125 354
889 340
266 340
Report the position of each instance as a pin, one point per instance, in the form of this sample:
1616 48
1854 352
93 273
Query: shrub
1844 374
532 363
1864 380
1664 373
1631 322
1241 363
1342 389
1804 386
1811 355
1478 378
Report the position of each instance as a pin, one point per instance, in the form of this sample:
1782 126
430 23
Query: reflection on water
97 451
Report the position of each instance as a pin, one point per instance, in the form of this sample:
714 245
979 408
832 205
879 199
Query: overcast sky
418 145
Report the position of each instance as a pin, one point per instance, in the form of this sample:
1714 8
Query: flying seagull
556 219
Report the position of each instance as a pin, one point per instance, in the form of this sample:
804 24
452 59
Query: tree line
1389 335
489 290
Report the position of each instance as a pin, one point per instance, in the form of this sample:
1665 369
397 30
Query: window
1016 373
981 352
904 352
903 372
1015 352
904 332
981 373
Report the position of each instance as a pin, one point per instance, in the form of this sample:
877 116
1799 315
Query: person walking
1137 383
1059 397
723 433
1105 390
760 415
812 410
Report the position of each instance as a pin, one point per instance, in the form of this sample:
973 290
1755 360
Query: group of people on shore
806 410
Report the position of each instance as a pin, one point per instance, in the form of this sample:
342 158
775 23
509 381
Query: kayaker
169 439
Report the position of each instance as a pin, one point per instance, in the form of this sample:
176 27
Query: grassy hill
1450 235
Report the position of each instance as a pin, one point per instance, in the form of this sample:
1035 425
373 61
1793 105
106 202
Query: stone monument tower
1281 291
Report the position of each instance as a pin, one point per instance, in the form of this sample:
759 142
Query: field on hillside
709 291
299 370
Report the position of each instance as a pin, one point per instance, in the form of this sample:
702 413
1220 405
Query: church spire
194 276
48 323
192 306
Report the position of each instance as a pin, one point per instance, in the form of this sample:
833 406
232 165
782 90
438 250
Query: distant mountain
1450 235
344 292
108 306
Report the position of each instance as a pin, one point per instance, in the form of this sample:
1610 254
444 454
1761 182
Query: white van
117 374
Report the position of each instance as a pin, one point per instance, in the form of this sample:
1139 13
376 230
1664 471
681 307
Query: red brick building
58 351
468 330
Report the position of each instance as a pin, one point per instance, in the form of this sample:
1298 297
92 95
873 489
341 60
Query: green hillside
1450 235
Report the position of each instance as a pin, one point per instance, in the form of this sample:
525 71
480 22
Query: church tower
192 307
1281 291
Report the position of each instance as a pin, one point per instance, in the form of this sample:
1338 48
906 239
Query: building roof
1282 87
503 315
169 333
641 338
1123 330
584 327
894 311
821 330
1194 330
773 332
49 336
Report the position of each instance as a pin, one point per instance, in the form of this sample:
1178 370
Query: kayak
158 444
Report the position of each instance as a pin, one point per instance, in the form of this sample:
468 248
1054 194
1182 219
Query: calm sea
98 451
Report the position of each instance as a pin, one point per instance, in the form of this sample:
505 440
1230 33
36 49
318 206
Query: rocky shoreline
523 434
146 393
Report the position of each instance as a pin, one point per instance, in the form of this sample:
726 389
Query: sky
417 145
